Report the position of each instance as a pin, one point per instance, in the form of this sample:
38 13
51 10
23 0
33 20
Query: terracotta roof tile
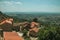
12 36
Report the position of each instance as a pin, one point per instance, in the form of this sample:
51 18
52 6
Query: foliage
49 33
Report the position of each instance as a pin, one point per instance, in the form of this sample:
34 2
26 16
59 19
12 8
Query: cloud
18 3
10 3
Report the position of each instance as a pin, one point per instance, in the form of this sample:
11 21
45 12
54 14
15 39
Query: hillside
3 16
46 19
50 24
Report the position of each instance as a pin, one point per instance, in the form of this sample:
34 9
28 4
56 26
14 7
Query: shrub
49 33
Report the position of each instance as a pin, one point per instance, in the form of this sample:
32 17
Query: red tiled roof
12 36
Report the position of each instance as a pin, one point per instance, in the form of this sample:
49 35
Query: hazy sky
30 5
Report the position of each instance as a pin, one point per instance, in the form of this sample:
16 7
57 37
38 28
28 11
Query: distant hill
44 18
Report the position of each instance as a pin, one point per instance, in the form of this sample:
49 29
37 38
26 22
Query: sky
30 5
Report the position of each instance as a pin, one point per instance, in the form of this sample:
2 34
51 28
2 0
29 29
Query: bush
49 33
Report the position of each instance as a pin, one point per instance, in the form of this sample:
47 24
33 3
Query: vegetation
49 33
3 16
50 25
